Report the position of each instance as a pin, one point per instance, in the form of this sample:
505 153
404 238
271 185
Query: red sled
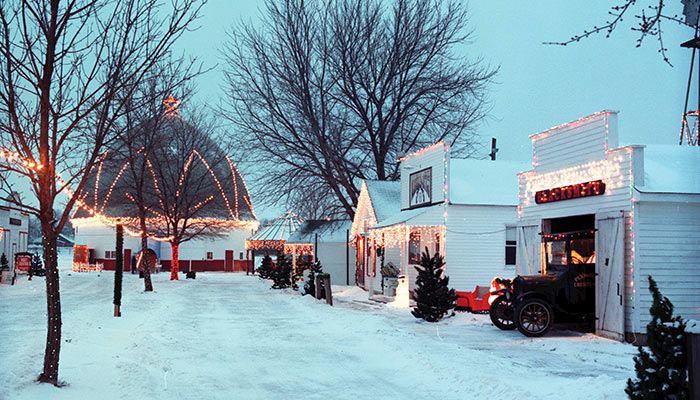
475 302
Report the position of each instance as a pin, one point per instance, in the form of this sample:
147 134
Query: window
240 255
15 221
421 187
210 255
414 248
110 254
511 245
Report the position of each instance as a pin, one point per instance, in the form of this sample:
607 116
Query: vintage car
563 292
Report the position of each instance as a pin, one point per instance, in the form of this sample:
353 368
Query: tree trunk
175 263
147 283
53 305
118 271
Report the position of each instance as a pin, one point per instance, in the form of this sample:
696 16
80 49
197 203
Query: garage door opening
570 256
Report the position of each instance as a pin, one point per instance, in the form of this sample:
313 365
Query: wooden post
693 352
327 288
347 257
318 281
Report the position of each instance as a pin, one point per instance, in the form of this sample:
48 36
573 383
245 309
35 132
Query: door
360 271
228 261
528 256
610 275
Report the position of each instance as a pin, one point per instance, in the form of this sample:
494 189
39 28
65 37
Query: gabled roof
280 229
671 169
327 231
484 182
385 197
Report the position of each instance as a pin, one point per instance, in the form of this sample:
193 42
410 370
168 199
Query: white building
463 208
14 231
631 211
328 241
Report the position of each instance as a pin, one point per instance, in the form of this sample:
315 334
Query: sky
537 86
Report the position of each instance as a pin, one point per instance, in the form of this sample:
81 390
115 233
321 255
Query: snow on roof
401 217
328 231
279 229
385 197
671 169
484 181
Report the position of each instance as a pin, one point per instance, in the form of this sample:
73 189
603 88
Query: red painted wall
197 265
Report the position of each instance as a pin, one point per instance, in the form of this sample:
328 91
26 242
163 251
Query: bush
282 273
310 283
662 367
265 269
433 296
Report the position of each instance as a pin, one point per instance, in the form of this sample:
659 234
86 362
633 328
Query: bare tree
63 65
200 193
649 17
333 92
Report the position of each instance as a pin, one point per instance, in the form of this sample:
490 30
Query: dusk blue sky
538 86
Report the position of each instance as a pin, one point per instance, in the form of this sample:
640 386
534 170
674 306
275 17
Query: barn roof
484 182
212 177
327 231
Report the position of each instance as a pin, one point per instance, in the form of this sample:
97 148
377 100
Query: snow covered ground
228 336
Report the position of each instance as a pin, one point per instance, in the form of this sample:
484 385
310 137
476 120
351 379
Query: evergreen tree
310 283
433 296
282 273
661 367
37 264
118 270
265 269
4 265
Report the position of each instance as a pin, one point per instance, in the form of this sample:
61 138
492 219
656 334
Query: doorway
569 245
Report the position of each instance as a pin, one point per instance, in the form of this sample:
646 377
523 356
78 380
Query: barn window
210 255
510 245
110 254
240 255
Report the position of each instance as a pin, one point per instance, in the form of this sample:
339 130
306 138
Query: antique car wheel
534 317
501 313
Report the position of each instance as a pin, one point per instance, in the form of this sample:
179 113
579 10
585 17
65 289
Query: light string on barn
96 212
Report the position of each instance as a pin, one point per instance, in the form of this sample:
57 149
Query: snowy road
227 336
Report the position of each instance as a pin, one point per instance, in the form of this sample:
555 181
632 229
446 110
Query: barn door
610 275
528 256
228 261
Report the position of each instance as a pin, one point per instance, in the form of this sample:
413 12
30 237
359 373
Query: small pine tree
433 296
310 283
37 263
662 367
282 274
4 264
265 269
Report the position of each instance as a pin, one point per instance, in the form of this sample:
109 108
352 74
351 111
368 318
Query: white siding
576 142
433 157
102 238
615 170
667 247
13 238
332 256
476 239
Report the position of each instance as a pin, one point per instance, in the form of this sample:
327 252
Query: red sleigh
476 301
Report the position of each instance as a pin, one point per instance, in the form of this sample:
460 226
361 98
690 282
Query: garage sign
576 191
